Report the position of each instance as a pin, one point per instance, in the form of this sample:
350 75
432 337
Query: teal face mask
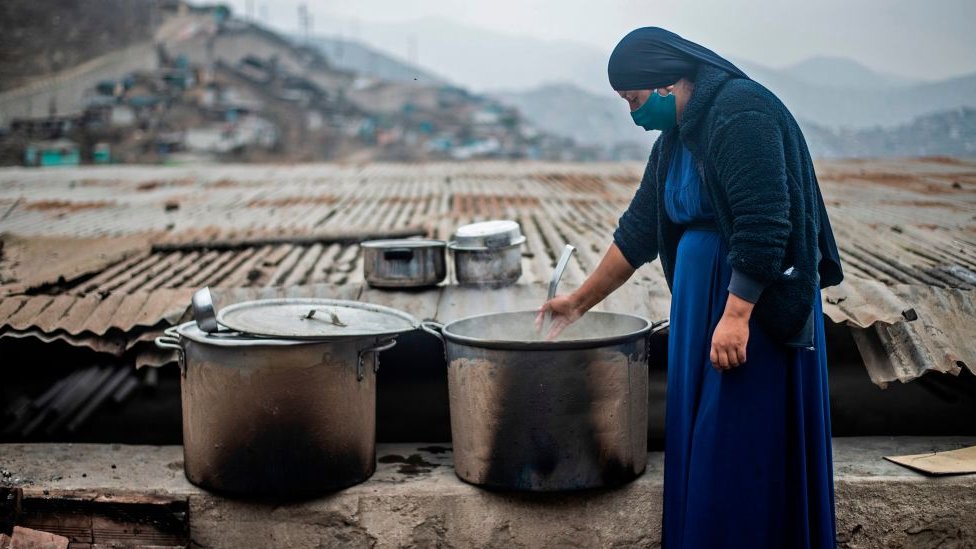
657 113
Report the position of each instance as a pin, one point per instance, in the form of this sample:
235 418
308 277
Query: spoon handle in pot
557 274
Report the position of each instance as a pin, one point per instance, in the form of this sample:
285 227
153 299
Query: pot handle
377 348
660 325
395 254
171 340
436 329
433 328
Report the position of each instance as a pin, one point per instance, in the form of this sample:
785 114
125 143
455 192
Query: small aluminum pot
273 416
535 415
404 263
492 267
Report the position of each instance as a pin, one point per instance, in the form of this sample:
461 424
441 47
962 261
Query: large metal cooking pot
276 416
529 414
404 263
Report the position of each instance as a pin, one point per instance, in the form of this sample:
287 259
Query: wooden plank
109 521
10 508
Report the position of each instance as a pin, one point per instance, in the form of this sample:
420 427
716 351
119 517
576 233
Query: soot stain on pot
550 433
435 449
412 465
285 461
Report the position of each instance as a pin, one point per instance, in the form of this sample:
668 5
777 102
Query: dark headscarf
651 57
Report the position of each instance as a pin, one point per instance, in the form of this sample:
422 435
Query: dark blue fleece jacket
759 176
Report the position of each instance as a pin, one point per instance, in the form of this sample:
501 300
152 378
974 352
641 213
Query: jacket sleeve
751 164
636 234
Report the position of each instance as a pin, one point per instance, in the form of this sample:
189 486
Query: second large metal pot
488 253
274 416
536 415
404 263
490 267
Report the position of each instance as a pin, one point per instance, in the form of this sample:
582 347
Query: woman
730 203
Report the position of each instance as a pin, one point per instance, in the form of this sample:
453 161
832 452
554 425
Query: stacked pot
486 254
281 398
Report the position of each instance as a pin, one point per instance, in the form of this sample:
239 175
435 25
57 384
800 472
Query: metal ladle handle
203 310
557 274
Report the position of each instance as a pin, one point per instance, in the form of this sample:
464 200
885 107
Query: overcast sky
922 39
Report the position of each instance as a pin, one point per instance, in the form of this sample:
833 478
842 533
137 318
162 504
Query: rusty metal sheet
37 261
24 317
111 344
863 303
905 227
939 339
93 315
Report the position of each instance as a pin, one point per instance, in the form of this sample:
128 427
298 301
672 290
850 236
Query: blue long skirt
747 451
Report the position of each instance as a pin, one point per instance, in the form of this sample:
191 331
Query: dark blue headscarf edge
652 57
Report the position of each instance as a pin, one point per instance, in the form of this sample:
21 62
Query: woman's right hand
612 271
565 310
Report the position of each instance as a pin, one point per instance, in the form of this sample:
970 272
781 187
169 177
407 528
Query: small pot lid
403 243
488 234
314 319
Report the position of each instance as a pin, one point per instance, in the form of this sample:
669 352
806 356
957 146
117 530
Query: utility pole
304 21
339 49
412 54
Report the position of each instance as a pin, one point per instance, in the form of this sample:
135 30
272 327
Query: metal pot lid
494 247
314 319
487 234
403 243
228 338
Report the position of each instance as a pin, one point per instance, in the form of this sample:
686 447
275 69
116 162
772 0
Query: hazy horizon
901 38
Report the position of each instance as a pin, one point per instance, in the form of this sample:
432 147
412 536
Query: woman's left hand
731 335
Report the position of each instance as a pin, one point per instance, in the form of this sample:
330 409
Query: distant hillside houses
219 88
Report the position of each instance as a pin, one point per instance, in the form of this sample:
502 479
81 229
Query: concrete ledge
414 500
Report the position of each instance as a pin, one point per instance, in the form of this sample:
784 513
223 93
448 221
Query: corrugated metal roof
906 228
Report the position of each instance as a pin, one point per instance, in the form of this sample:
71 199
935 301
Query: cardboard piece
27 538
953 462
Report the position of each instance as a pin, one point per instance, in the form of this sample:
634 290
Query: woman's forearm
610 274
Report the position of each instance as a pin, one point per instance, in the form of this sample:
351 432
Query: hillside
83 30
588 118
839 72
833 92
603 121
206 86
863 107
367 61
950 133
